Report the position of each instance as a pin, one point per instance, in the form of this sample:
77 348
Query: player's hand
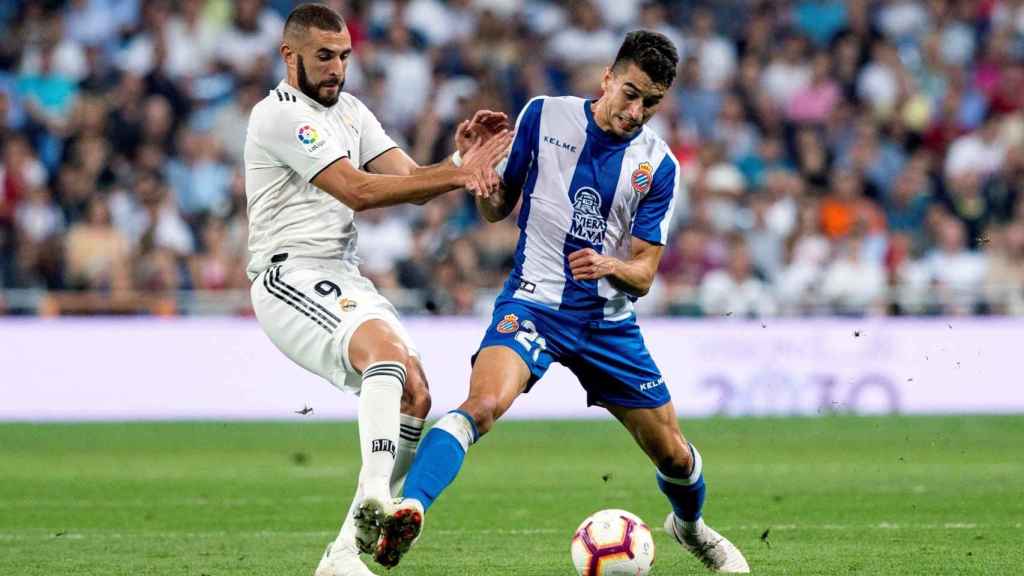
484 125
587 264
477 171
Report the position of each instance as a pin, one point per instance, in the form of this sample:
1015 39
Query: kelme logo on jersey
642 178
508 324
309 137
587 222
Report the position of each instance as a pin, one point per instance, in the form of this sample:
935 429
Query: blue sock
440 457
686 494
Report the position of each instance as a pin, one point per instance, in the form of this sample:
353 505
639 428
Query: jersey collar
284 86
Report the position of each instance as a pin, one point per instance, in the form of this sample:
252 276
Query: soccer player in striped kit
597 190
313 157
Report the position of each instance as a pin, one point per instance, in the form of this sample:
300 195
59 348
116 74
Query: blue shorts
610 359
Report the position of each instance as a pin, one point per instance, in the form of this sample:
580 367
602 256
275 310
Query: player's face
321 64
630 99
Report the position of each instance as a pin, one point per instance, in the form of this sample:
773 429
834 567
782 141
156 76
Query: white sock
408 440
347 536
457 424
380 402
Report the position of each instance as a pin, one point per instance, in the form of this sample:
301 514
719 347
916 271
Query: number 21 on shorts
529 339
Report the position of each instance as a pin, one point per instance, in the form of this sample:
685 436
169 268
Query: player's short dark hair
306 16
653 52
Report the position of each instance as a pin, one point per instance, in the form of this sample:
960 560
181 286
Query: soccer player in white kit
313 157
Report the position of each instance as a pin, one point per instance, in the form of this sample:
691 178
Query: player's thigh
299 322
616 368
372 341
514 354
656 431
291 300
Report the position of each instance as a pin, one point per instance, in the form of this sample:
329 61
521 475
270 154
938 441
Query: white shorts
310 308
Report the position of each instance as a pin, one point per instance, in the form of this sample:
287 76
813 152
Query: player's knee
674 461
484 410
381 351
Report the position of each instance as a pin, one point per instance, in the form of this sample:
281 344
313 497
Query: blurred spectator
587 40
854 284
250 42
1004 281
735 290
230 122
716 55
883 81
814 102
97 255
198 177
788 72
950 277
980 152
191 41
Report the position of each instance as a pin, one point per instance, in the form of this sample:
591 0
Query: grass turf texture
835 495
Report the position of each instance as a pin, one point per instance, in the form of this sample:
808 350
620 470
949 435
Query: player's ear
288 54
606 80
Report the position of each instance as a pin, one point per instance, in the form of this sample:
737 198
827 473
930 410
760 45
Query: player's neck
600 116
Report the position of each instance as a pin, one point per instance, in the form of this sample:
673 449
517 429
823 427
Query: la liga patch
310 138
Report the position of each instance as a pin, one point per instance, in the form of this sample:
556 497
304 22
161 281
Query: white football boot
368 518
339 560
711 548
399 531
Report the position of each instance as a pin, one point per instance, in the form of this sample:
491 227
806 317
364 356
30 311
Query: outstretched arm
633 276
362 190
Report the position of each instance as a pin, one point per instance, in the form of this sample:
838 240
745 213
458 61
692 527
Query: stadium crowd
842 157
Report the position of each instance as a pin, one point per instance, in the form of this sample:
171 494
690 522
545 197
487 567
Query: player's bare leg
680 478
499 377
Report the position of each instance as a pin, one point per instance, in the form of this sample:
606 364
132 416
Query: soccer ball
613 543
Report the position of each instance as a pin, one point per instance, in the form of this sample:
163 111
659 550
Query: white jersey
291 138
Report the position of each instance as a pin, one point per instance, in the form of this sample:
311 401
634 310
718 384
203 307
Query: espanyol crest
642 178
508 324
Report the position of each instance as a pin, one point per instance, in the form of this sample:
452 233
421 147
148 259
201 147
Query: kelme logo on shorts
508 324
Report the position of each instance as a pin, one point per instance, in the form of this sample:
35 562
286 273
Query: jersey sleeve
654 214
299 140
513 170
373 140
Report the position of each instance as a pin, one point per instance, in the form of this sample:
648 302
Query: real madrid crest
642 178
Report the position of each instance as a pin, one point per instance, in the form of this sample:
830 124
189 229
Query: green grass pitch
835 495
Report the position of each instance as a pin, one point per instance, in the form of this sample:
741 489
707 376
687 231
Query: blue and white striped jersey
583 187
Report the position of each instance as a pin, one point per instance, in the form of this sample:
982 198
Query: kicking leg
499 376
680 477
415 407
382 358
